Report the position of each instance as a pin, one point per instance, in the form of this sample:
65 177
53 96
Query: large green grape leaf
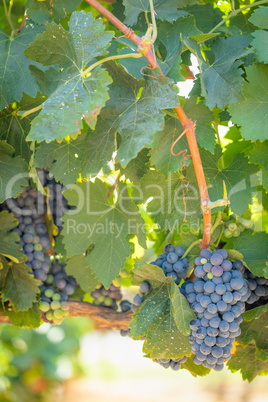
260 17
258 155
8 246
42 11
255 313
195 370
13 173
221 80
155 317
15 76
236 177
260 44
77 267
17 285
107 226
71 95
255 330
254 248
245 360
165 9
136 108
64 159
252 112
167 207
28 319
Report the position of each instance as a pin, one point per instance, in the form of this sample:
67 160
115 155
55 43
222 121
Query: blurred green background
74 361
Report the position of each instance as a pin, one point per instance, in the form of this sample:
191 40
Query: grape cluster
172 263
106 297
217 296
233 229
175 364
257 288
34 237
55 292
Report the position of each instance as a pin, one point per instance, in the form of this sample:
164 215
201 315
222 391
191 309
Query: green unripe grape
65 306
117 281
108 301
232 226
38 247
99 286
203 260
228 233
44 306
49 292
245 222
49 315
49 279
123 273
57 321
101 298
56 296
96 302
210 275
236 232
241 228
58 313
55 305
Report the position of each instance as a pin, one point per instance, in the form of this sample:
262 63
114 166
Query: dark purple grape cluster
34 237
172 262
257 288
107 297
217 296
175 364
55 292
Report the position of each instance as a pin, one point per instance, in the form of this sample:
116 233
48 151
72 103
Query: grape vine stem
104 317
146 48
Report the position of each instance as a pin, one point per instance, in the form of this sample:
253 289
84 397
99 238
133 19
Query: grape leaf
42 11
105 225
221 80
28 319
77 267
256 330
18 285
255 313
260 44
252 112
237 146
260 17
167 207
165 9
206 16
15 77
98 146
258 155
254 249
137 167
8 246
64 159
195 370
236 177
245 361
136 108
155 317
13 173
71 96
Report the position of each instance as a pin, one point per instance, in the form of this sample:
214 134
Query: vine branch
104 317
188 126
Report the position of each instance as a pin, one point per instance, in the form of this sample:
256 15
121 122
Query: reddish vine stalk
187 124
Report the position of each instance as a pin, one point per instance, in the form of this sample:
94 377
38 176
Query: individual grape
216 259
145 287
228 316
172 258
169 248
179 251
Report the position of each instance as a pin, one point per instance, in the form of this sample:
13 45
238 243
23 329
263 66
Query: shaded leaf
42 11
258 155
103 224
18 285
28 319
8 240
252 112
77 267
260 17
